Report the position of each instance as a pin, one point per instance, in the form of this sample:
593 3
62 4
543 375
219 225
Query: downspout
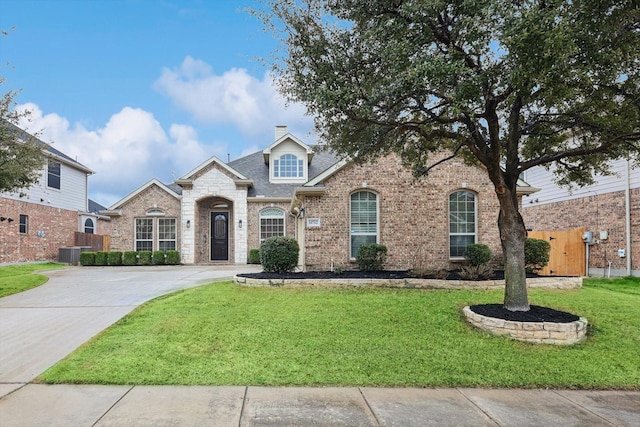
628 218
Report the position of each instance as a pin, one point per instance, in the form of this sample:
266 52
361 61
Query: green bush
144 257
157 258
254 256
173 257
371 257
130 258
536 254
87 258
114 258
101 258
477 254
279 254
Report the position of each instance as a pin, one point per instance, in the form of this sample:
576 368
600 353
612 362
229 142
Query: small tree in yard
506 85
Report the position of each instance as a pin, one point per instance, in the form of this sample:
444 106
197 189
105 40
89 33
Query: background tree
21 154
506 85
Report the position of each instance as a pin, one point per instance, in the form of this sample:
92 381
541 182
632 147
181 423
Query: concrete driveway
41 326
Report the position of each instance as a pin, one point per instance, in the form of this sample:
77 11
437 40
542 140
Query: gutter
628 217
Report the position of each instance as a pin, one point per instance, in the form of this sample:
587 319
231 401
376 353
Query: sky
142 89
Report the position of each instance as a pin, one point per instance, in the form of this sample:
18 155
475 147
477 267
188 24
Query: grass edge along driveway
17 278
223 334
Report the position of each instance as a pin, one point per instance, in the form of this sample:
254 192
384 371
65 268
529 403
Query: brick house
36 222
218 212
609 209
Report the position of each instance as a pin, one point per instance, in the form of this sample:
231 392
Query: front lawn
223 334
20 277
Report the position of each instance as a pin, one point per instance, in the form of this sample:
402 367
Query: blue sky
141 89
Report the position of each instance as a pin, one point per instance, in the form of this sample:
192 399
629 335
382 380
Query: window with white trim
88 226
288 166
462 222
364 220
53 174
271 223
167 234
144 234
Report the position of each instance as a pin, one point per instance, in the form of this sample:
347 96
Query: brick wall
123 227
603 212
58 226
253 221
414 215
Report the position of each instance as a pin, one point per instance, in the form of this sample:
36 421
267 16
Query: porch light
188 223
240 224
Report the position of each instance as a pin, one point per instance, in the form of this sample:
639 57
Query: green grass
20 277
222 334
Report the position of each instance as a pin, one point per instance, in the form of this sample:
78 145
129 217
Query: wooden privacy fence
96 241
568 252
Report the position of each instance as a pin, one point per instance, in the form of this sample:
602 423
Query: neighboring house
219 211
609 209
36 222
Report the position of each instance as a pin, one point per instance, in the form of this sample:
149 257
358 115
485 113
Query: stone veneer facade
213 186
413 215
597 212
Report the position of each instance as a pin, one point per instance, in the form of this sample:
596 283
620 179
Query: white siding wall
550 192
72 194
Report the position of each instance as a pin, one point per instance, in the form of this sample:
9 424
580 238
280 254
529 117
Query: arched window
462 222
88 226
288 166
364 220
271 223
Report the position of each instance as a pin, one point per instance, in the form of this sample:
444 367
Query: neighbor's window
167 234
53 174
271 223
144 234
88 226
24 224
462 222
288 166
364 220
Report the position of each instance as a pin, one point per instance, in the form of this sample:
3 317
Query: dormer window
288 166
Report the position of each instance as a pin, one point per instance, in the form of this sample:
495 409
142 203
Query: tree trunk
512 236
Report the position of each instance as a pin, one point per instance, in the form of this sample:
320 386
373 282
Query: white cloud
252 105
129 150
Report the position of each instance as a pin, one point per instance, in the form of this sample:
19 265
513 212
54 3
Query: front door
219 236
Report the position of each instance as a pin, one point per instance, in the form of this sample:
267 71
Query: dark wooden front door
219 236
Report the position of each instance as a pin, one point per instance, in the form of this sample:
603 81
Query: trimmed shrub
114 258
476 272
101 258
477 254
158 258
254 256
536 254
87 258
371 257
279 254
173 257
130 258
144 257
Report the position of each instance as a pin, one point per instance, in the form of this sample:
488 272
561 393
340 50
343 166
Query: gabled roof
267 151
114 209
49 150
254 167
188 177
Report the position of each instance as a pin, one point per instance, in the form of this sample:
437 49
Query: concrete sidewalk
94 405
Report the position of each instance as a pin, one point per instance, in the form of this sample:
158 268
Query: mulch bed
535 314
357 274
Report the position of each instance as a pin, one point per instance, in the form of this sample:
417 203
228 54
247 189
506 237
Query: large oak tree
509 85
